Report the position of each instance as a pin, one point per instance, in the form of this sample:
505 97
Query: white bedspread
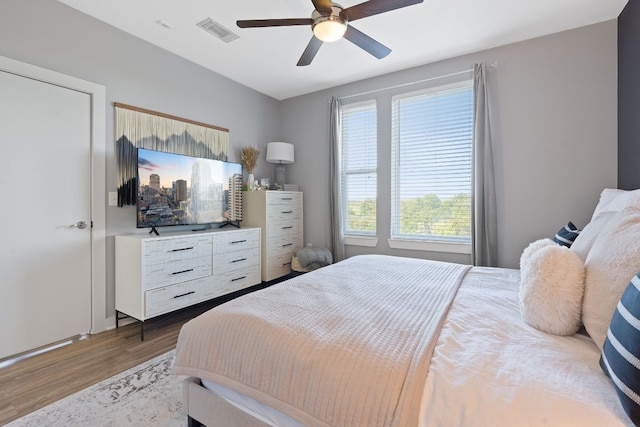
346 345
490 369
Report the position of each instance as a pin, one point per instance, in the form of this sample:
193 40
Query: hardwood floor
37 381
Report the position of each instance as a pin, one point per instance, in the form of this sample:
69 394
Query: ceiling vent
217 30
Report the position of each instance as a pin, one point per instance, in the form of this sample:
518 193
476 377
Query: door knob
80 224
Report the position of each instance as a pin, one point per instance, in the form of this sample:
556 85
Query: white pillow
612 199
533 248
551 289
612 262
587 236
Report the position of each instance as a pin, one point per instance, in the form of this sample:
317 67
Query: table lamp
280 153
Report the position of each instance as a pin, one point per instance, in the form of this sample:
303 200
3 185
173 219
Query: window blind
359 167
432 138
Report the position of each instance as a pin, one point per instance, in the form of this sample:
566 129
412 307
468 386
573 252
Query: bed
379 340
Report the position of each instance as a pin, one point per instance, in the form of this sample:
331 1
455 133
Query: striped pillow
566 235
620 358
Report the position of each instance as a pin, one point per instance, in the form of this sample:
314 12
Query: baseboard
110 323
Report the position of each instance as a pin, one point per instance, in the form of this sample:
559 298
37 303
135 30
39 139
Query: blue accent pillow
620 358
566 235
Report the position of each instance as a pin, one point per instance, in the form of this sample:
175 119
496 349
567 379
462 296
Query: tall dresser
279 215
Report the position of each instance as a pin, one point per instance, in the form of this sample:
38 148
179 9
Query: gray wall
51 35
554 127
629 96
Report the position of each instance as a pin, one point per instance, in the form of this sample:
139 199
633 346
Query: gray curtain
484 216
335 199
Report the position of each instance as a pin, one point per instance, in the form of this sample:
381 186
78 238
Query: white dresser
159 274
280 217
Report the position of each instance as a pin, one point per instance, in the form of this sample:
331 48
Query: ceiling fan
330 22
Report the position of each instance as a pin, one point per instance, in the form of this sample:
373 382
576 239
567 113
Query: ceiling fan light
330 29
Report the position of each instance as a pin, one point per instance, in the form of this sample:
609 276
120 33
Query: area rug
143 396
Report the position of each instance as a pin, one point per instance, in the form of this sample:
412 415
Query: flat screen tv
175 189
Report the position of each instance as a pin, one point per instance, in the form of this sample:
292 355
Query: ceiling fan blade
365 42
374 7
322 5
254 23
310 52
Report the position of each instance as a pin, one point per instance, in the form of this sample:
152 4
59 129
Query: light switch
113 198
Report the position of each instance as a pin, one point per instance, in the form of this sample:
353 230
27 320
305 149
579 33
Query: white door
45 186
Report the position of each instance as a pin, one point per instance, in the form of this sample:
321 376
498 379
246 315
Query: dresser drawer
232 281
236 260
279 198
287 242
176 271
236 241
169 298
283 213
284 227
279 265
169 250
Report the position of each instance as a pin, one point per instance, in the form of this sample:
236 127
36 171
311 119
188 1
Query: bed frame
207 409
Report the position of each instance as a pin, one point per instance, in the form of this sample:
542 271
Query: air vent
217 30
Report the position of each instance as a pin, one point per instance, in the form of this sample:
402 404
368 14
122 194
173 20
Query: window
359 168
432 139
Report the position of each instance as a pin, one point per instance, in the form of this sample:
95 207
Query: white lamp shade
280 152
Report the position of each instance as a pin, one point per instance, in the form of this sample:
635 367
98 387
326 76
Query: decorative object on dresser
279 214
157 275
249 158
280 153
264 183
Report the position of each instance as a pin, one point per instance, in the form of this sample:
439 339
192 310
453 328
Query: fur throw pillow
533 248
551 290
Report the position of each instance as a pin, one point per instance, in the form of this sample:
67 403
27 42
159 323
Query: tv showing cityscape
176 189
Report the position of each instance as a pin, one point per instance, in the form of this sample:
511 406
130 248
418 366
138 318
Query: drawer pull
238 260
286 263
288 227
181 249
183 271
287 212
238 241
287 244
184 295
286 198
239 278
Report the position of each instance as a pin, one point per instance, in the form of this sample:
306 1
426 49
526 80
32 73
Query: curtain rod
494 65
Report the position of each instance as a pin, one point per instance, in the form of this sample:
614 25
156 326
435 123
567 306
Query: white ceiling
265 58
